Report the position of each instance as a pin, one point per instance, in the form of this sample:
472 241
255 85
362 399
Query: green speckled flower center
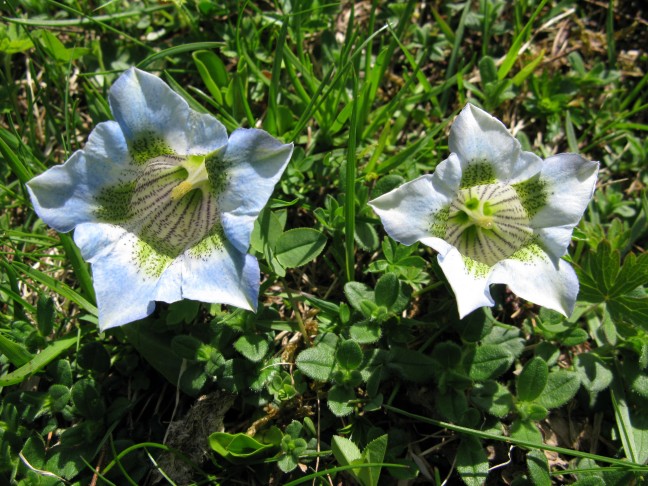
169 205
488 223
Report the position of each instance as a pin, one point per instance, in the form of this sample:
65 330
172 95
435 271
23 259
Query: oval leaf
299 246
532 379
561 387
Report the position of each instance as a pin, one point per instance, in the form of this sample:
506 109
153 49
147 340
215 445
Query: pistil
197 177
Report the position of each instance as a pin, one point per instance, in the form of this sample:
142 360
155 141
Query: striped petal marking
488 223
170 204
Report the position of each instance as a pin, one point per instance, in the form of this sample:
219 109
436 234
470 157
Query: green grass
367 95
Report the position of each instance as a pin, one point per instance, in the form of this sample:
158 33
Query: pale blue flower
495 214
162 202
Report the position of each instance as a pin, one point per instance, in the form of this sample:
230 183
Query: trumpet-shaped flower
162 202
495 214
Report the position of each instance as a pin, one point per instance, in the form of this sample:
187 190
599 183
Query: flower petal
482 141
126 288
214 271
158 121
567 182
418 209
532 275
65 195
469 280
254 162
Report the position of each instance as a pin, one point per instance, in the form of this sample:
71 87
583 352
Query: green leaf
374 453
532 379
287 463
59 396
366 236
14 39
561 387
56 286
356 293
411 364
506 338
34 451
67 461
451 405
242 449
296 247
56 48
338 398
94 356
387 289
532 411
15 352
88 400
346 452
538 468
267 230
476 325
45 315
38 362
487 70
514 50
448 354
212 71
631 309
183 311
253 346
487 361
594 374
604 280
472 462
525 430
316 363
365 332
349 355
187 347
492 397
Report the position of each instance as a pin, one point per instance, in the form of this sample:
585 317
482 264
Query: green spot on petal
533 195
114 202
477 173
217 170
148 146
150 262
475 268
212 242
530 253
439 222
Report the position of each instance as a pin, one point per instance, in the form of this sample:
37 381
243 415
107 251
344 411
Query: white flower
162 202
495 214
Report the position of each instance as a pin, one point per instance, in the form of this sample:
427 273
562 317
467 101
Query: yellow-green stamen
197 177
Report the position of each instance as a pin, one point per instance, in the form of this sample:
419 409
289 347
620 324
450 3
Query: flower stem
298 318
349 200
